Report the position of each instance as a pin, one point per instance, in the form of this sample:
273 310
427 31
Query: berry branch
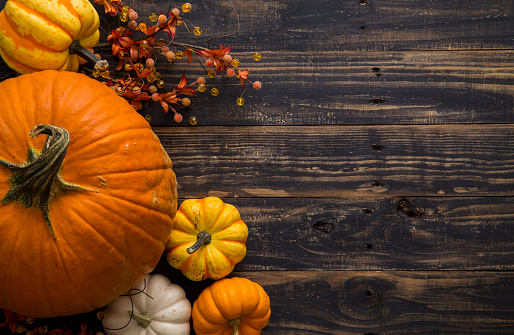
136 46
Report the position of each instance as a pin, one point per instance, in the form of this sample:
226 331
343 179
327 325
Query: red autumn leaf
170 26
243 75
111 6
188 54
12 319
217 57
165 106
83 328
183 82
187 91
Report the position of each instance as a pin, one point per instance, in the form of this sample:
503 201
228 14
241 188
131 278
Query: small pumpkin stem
235 324
142 319
202 238
77 49
35 182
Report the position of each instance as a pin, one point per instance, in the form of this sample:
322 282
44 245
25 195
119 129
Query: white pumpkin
163 310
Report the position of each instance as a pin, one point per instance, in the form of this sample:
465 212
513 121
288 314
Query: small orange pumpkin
231 306
37 35
85 213
208 239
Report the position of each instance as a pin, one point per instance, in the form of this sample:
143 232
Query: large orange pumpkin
87 201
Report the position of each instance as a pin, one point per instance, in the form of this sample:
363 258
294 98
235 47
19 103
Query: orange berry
162 19
178 117
170 55
136 90
257 85
186 102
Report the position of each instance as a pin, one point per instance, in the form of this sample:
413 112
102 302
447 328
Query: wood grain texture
355 88
317 67
341 161
374 169
378 302
382 303
376 234
349 25
389 303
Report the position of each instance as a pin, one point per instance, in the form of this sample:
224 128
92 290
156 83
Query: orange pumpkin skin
110 233
36 35
228 303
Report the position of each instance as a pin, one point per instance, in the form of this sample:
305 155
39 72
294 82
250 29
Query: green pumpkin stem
35 182
201 239
142 319
235 324
77 49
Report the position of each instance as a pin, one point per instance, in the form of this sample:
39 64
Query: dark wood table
375 167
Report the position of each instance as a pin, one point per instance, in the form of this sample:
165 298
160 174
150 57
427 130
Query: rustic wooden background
374 169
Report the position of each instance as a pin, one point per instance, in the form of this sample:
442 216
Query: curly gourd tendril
131 312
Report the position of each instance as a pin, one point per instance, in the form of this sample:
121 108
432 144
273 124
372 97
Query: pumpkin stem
77 49
235 324
142 319
35 182
201 239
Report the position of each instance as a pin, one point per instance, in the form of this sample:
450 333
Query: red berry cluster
137 47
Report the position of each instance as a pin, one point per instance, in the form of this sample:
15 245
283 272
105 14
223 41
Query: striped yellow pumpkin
209 239
37 35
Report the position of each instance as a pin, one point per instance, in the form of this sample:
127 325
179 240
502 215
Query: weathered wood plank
389 303
343 86
356 88
313 72
350 25
376 234
385 303
339 161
